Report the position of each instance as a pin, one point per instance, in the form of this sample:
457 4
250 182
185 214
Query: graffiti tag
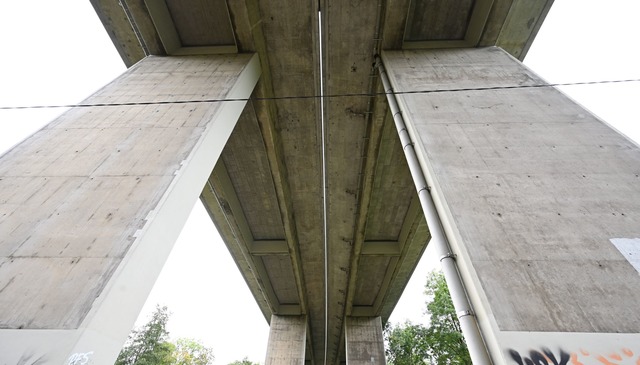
80 358
547 357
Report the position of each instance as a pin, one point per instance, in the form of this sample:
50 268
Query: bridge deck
266 193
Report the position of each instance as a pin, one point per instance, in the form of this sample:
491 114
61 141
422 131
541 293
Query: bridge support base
287 340
364 341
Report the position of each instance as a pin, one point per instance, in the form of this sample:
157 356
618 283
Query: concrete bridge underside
266 193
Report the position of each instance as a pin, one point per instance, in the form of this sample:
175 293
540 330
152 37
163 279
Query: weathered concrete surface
266 194
287 338
531 189
90 205
364 341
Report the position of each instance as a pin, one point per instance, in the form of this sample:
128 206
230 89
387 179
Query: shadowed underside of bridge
266 193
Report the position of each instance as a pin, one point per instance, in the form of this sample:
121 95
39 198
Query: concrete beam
222 203
372 148
269 247
521 26
289 310
120 30
142 23
475 28
253 38
381 248
170 38
93 202
413 240
164 24
364 341
287 340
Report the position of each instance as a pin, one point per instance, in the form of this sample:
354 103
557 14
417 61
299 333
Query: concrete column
540 201
364 341
287 340
91 205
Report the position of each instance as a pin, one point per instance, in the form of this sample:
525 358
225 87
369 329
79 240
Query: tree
447 344
244 361
439 343
192 352
149 345
406 344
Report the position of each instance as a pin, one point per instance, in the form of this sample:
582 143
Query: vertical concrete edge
478 299
127 291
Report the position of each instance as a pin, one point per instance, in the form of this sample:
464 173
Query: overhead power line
302 97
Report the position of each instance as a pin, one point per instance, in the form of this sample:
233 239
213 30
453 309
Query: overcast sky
56 52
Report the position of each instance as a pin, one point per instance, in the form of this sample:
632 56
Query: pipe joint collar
448 255
464 313
427 189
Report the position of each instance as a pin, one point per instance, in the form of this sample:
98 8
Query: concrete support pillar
91 205
538 198
364 341
287 340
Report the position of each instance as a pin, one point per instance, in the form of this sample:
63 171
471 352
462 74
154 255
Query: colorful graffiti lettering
582 357
546 357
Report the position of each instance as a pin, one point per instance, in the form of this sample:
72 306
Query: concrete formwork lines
531 189
110 204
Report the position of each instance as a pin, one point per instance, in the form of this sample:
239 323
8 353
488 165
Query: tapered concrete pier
92 204
539 199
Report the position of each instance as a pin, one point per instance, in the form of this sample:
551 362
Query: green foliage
406 344
150 346
439 343
192 352
447 346
244 361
